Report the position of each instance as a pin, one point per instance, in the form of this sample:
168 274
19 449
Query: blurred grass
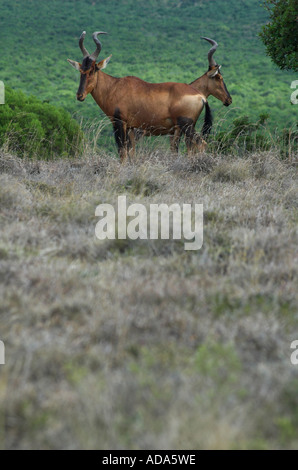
138 344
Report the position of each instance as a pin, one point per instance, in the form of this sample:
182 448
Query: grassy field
142 345
155 40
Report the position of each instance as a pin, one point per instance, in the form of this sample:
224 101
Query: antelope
211 83
131 103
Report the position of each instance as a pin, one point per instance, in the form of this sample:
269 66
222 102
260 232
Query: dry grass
141 345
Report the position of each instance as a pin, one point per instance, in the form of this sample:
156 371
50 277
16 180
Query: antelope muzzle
228 101
81 90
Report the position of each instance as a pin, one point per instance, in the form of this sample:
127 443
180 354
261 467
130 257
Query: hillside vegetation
157 40
141 345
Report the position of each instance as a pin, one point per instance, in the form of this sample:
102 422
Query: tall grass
232 136
243 135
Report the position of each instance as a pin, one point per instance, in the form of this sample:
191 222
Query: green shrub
35 128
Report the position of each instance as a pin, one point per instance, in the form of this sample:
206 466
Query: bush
35 128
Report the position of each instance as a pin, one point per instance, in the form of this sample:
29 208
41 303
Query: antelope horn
211 52
98 44
81 44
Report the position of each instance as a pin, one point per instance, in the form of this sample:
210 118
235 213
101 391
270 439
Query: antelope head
215 83
89 68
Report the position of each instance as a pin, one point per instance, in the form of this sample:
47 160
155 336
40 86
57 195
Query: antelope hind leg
175 140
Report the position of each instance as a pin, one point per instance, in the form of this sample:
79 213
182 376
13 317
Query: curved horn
211 52
81 44
98 44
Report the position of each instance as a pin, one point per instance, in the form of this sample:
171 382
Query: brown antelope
211 83
131 103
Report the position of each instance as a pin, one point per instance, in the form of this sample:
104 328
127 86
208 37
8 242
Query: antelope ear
212 73
74 64
103 63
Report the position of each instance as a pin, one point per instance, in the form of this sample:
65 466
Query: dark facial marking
227 103
226 89
86 64
82 86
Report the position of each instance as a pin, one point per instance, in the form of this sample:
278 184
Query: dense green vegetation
281 33
28 125
155 40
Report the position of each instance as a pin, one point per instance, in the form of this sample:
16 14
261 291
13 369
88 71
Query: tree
280 35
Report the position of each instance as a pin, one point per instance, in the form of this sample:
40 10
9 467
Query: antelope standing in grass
211 83
131 103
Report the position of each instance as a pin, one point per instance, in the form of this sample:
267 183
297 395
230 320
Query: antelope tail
207 126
